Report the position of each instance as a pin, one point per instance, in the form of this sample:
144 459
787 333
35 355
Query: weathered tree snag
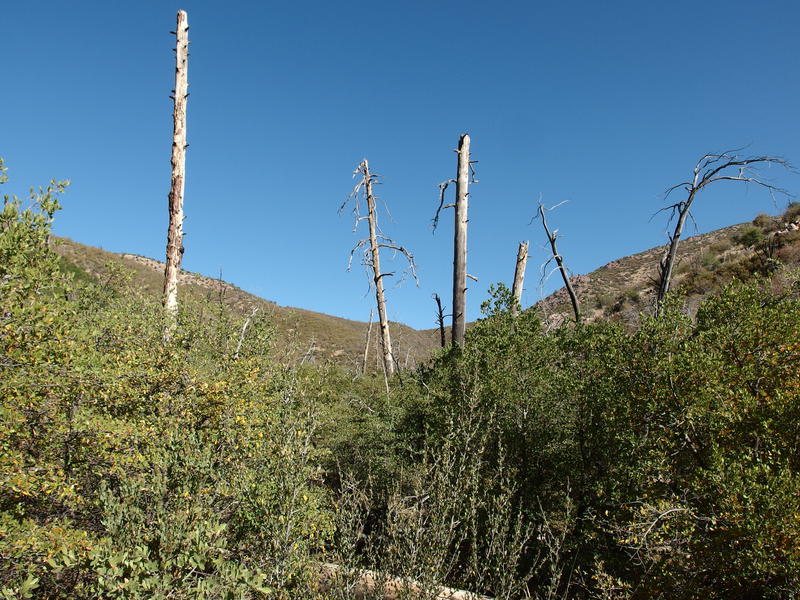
178 160
380 298
376 242
460 242
551 237
726 166
519 277
440 319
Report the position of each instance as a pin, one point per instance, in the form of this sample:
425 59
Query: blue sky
605 104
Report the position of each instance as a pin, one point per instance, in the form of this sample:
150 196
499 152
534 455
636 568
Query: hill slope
303 335
621 290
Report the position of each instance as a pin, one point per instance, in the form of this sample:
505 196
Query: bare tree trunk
668 261
551 236
380 299
372 258
460 243
366 346
519 277
175 230
244 330
440 319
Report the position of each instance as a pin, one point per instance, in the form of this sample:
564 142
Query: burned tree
552 236
727 166
464 176
372 246
519 277
178 160
440 319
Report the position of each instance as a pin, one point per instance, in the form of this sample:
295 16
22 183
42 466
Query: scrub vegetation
609 459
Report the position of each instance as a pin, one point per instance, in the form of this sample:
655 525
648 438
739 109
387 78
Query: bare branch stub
442 189
440 319
519 277
725 166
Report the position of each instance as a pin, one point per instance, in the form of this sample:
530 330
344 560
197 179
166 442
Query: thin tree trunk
560 262
460 243
519 277
668 261
175 230
386 340
366 346
244 330
440 319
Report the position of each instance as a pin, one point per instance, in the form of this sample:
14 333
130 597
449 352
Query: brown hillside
303 335
624 289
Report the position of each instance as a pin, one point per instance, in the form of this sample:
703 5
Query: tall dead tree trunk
552 237
376 241
519 277
440 319
178 160
460 242
380 298
726 166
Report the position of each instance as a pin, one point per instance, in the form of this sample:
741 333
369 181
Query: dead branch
366 346
552 237
244 329
442 188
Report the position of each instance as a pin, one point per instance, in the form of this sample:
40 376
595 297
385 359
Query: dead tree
727 166
519 277
552 236
371 259
464 176
178 160
440 319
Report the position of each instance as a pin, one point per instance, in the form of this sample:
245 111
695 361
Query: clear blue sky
602 103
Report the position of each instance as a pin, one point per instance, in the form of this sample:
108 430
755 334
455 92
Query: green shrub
749 236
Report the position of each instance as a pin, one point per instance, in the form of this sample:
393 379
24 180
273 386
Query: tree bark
460 243
178 160
668 261
386 340
519 277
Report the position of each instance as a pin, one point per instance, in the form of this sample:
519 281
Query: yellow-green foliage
134 469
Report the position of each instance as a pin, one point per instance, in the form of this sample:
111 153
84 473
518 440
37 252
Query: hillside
303 335
625 288
621 290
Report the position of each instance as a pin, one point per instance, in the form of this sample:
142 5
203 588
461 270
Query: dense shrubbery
134 469
663 463
587 462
